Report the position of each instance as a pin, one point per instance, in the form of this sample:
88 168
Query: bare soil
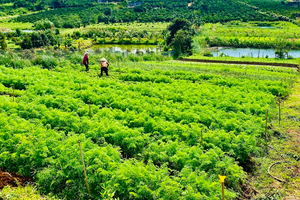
243 63
12 179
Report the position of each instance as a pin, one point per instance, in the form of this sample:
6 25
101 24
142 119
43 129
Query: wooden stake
222 179
86 180
266 123
223 193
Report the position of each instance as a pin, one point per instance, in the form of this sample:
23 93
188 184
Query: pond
265 27
250 52
27 31
123 48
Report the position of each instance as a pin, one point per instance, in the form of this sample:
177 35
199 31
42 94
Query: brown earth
291 198
12 179
243 63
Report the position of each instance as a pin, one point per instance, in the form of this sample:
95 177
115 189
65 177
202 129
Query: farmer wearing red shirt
86 61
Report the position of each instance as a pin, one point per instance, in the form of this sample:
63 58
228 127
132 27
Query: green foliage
3 43
178 24
26 43
25 193
140 128
18 32
208 54
9 9
182 42
39 39
280 7
43 24
280 36
11 60
180 37
152 10
47 62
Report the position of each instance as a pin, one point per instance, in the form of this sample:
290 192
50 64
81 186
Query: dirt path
283 154
243 63
12 179
15 16
290 149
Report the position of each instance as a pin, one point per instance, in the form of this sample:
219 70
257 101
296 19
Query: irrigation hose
276 178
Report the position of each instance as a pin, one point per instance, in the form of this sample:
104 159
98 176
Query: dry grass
25 193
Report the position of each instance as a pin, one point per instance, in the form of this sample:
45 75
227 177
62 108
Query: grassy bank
246 59
284 147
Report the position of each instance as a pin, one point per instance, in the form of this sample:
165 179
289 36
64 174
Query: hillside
147 11
290 8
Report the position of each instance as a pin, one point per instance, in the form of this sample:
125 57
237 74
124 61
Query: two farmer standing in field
104 64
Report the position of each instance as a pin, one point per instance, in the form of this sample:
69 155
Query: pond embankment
243 63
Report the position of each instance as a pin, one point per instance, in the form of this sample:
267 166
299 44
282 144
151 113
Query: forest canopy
91 12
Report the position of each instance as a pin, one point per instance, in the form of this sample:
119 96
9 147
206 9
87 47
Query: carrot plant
134 145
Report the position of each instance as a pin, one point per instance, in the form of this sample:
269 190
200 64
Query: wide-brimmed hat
103 59
86 52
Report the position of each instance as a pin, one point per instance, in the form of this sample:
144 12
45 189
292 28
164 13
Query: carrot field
153 129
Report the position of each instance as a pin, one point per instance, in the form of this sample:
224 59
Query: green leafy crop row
140 128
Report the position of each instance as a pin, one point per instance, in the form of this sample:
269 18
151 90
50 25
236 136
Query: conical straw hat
103 59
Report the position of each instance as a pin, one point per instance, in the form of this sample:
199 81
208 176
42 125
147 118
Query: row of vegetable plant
140 128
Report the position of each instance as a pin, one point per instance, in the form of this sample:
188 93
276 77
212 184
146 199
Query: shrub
47 62
43 24
208 54
11 60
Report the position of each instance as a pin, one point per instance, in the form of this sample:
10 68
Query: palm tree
130 34
113 34
156 35
121 35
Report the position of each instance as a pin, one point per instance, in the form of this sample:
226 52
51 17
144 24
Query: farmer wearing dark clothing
104 66
86 61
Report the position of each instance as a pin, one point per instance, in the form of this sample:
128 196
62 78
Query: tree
130 34
57 32
121 35
161 5
180 38
182 42
147 6
125 3
280 48
107 11
37 40
43 24
178 24
3 41
26 43
18 32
